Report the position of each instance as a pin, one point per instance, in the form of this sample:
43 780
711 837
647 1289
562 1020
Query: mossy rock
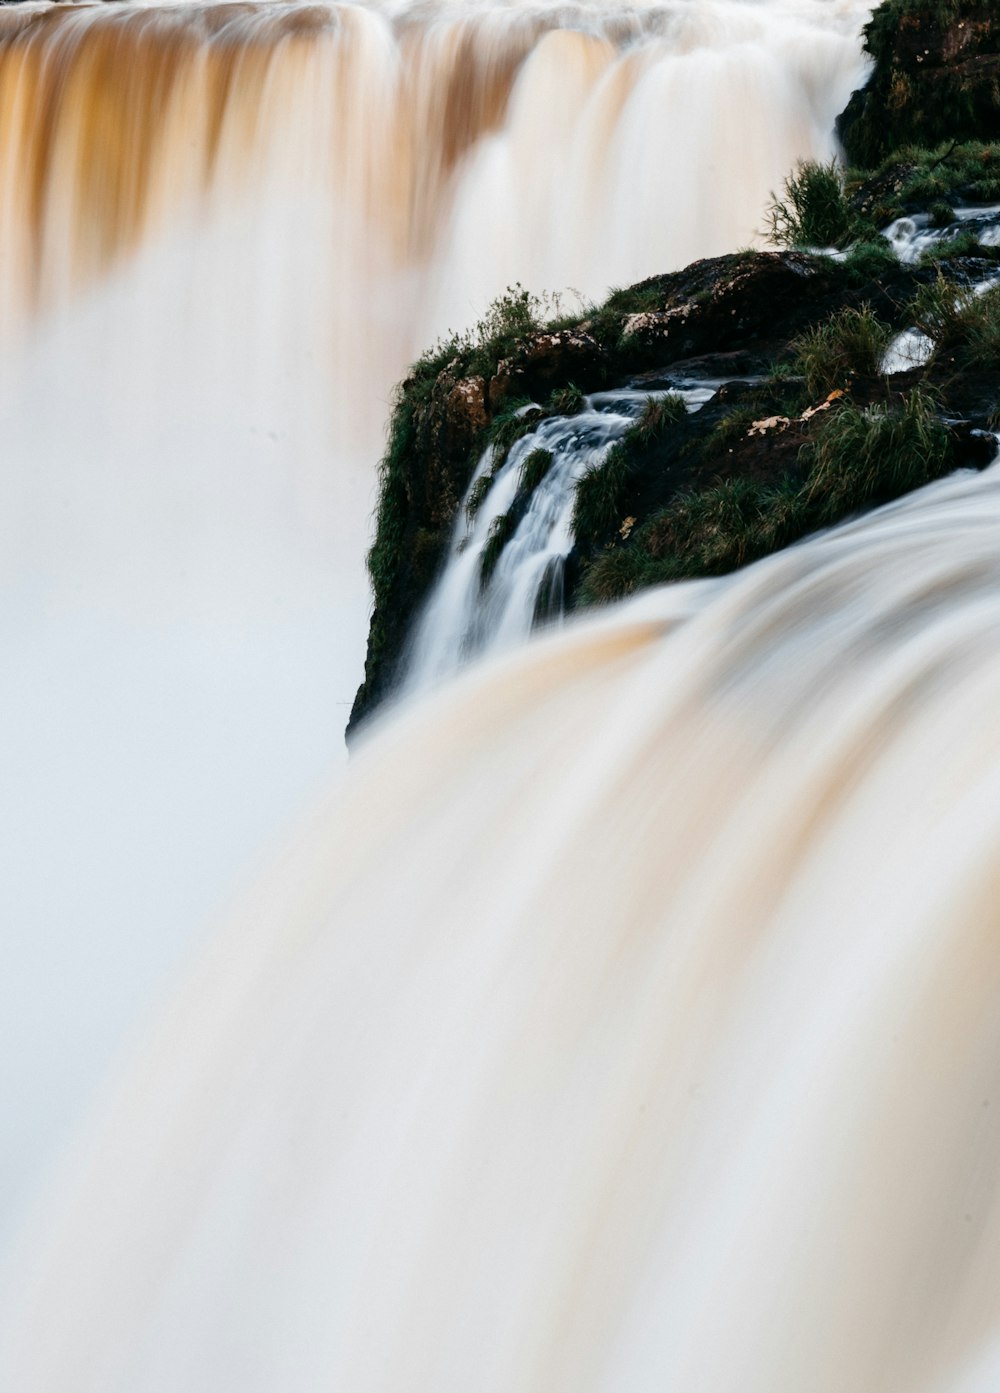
936 77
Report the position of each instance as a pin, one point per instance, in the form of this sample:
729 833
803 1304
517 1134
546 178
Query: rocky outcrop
936 77
734 317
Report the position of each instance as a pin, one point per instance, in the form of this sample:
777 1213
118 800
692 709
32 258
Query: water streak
471 612
626 1021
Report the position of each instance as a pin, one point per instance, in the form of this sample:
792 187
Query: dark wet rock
936 77
544 360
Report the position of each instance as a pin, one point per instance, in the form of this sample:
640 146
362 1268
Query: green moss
393 500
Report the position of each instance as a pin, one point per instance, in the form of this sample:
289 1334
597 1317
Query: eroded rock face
936 78
544 359
724 303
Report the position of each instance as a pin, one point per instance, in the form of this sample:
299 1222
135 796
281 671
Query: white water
912 348
226 231
465 617
626 1021
910 237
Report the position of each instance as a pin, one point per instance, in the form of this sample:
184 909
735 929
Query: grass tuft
566 401
502 529
533 470
960 323
862 456
856 458
597 508
851 342
813 210
659 414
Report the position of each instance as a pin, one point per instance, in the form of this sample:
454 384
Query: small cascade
909 349
910 237
912 348
514 532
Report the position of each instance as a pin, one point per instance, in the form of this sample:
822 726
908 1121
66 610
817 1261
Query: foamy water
626 1020
226 230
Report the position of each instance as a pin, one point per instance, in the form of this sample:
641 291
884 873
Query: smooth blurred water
625 1020
226 231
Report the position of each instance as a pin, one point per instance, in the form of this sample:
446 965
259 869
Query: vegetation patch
658 415
935 78
935 178
477 494
730 482
534 469
869 259
855 458
566 401
852 342
517 420
502 528
961 324
812 210
599 493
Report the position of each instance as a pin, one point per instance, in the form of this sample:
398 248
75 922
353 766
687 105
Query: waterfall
486 602
226 230
486 1076
626 1020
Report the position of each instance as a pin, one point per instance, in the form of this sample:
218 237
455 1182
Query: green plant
502 528
734 425
477 494
813 211
942 214
868 260
658 415
856 458
597 507
534 469
861 456
566 401
951 248
852 341
960 322
517 420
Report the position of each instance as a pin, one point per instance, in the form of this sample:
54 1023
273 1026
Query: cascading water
911 238
226 230
626 1021
485 602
